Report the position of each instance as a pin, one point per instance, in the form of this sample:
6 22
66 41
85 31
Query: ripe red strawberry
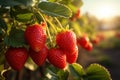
57 58
66 40
72 57
16 57
35 35
83 41
89 47
39 57
96 40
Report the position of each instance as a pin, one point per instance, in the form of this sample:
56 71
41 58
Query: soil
112 62
114 56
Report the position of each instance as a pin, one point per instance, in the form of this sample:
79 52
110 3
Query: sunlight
104 11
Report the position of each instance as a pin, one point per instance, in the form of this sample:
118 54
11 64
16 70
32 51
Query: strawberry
72 57
35 35
96 40
16 57
89 47
66 40
83 41
57 58
77 14
39 57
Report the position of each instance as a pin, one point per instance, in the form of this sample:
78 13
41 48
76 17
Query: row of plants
46 34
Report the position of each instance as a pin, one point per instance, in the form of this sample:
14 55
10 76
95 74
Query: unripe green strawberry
72 57
39 57
66 40
35 35
57 58
16 57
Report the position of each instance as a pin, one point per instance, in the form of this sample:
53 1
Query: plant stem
40 15
49 35
53 27
48 32
59 23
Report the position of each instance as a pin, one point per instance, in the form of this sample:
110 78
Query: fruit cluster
85 43
67 50
35 36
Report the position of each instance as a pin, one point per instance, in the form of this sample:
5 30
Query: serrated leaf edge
95 64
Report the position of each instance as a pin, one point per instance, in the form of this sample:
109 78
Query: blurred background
105 14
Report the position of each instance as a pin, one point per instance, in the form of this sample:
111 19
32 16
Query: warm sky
101 8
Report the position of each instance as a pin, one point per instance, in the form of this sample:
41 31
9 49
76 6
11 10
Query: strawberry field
51 40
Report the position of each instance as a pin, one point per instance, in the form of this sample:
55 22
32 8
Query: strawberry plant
39 36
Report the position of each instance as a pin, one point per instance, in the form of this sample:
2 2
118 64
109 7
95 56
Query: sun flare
104 11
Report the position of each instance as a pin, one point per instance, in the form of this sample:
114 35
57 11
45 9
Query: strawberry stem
49 35
52 26
59 23
38 11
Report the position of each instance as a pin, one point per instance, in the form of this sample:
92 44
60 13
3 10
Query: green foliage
97 72
93 72
22 15
17 2
75 5
9 3
77 71
3 26
53 73
63 75
15 38
55 9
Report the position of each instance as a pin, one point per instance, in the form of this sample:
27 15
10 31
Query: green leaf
51 73
77 69
55 9
97 72
24 17
17 2
9 3
63 75
15 38
27 2
54 73
21 15
38 17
